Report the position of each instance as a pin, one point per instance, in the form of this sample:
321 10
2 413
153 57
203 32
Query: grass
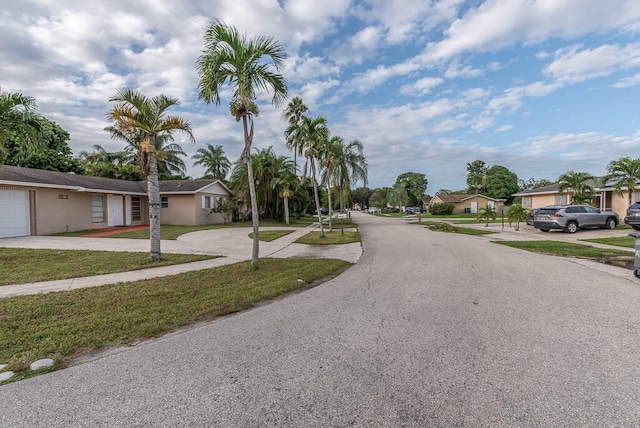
22 265
446 227
271 235
331 238
618 241
64 325
570 249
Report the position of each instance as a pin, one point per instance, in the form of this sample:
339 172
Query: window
560 199
526 201
97 208
136 213
164 202
207 202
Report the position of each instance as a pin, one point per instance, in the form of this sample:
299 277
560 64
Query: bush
443 208
443 227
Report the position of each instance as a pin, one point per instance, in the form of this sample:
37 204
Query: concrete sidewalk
231 244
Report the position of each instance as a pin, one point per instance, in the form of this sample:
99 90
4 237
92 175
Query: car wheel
572 227
611 223
544 230
636 272
636 227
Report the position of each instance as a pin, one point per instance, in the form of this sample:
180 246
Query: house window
207 202
164 202
136 212
526 201
560 199
97 208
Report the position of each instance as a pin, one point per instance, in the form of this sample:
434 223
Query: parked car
570 218
412 210
530 216
633 216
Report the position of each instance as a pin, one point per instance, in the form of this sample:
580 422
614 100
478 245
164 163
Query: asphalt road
427 329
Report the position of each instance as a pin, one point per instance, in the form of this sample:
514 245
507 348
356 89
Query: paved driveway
427 329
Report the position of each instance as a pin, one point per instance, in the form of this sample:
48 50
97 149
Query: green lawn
22 265
439 226
569 249
618 241
271 235
65 324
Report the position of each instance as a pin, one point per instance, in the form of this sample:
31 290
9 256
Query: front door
116 210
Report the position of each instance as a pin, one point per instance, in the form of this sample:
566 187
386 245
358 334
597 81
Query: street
427 329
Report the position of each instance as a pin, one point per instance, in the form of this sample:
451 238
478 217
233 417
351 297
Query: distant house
38 202
605 197
467 203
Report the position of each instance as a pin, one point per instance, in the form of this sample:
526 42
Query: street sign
342 215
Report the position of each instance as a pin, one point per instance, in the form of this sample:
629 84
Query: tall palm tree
626 173
18 117
330 153
350 166
294 111
134 112
214 161
101 163
167 151
243 64
310 134
579 184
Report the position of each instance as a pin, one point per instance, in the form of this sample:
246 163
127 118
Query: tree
214 161
18 119
361 195
532 183
501 183
53 153
226 208
135 112
101 163
487 213
350 166
475 170
310 134
241 62
517 213
625 172
579 184
293 113
415 186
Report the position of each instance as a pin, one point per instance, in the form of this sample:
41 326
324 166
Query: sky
540 87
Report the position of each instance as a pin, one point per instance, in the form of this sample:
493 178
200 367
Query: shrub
443 208
443 227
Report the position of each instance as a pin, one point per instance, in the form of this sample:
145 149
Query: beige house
467 203
38 202
605 197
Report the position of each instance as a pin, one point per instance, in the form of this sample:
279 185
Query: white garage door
14 213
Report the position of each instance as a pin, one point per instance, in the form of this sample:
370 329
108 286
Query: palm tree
134 112
578 182
351 165
293 113
487 213
229 57
517 213
18 118
167 152
214 160
626 173
330 152
101 163
310 134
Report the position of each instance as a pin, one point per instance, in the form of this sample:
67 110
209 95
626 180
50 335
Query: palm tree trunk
153 190
252 192
286 210
315 192
342 195
329 198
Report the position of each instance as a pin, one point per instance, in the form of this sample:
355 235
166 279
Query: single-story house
467 203
39 202
605 197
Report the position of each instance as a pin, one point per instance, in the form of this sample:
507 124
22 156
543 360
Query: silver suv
570 218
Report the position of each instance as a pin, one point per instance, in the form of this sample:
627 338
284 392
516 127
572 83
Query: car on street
570 218
530 216
633 216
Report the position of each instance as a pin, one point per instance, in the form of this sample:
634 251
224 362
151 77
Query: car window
592 210
579 209
547 211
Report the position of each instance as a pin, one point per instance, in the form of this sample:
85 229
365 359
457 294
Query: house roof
597 184
456 198
18 176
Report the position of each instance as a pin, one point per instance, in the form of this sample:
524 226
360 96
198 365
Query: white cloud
627 82
421 86
358 47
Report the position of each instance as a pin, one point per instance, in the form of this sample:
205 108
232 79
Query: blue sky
540 87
